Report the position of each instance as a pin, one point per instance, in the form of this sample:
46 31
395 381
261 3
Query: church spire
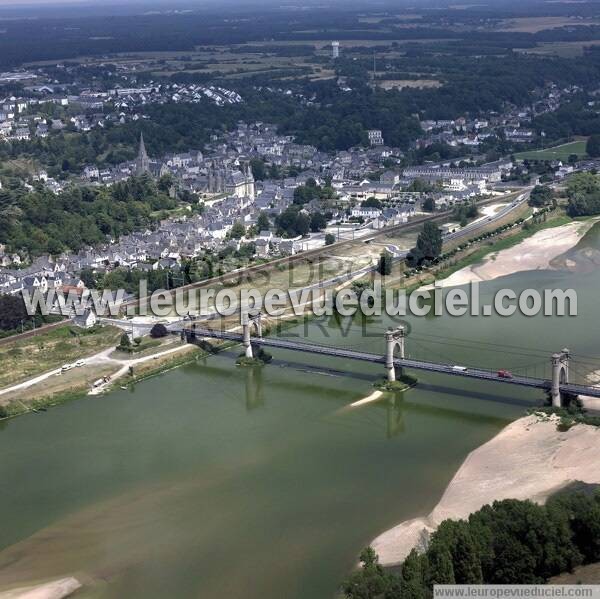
142 163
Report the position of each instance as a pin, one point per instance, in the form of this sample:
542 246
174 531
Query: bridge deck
473 373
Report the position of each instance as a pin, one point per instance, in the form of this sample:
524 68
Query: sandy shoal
534 253
529 459
56 589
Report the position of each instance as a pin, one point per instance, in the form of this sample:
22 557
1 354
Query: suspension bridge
394 359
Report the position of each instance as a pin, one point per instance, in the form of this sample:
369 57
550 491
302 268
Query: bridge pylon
394 338
560 375
251 319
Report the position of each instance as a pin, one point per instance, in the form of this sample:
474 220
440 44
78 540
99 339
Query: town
254 188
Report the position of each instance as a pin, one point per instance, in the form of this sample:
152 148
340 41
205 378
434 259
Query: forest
40 222
508 542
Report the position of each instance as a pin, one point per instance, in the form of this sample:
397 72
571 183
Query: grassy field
561 152
30 357
562 49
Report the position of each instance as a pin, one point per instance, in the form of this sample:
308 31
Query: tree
317 222
371 581
302 224
540 196
429 244
329 239
429 204
593 146
158 331
412 576
384 267
125 342
465 560
237 230
258 169
262 222
371 203
440 570
583 512
88 277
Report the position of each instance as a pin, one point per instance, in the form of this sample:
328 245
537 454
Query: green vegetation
311 191
138 345
508 542
40 221
294 222
583 191
540 223
465 212
429 245
402 383
593 146
14 318
541 195
24 358
384 267
562 152
260 358
569 416
158 331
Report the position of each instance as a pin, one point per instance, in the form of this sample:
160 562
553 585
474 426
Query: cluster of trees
304 194
465 212
294 221
40 221
541 195
592 147
583 191
14 317
429 245
508 542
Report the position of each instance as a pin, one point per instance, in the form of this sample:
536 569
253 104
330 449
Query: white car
459 368
80 363
67 367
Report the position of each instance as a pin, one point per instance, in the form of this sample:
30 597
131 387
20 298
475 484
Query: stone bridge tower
560 375
394 338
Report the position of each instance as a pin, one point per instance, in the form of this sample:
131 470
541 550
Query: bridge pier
394 338
248 320
560 375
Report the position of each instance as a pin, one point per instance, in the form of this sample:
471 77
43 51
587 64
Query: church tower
142 162
249 182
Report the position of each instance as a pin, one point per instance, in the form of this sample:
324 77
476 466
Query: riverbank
535 252
529 459
114 369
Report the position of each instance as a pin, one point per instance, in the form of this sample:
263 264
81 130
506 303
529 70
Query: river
213 481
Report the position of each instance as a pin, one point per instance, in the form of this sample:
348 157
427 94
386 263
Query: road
399 254
450 369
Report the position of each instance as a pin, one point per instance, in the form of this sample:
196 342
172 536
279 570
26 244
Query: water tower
335 50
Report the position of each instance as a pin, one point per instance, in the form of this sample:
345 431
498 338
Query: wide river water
212 481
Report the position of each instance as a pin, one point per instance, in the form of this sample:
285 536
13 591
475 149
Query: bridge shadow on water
479 395
396 405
